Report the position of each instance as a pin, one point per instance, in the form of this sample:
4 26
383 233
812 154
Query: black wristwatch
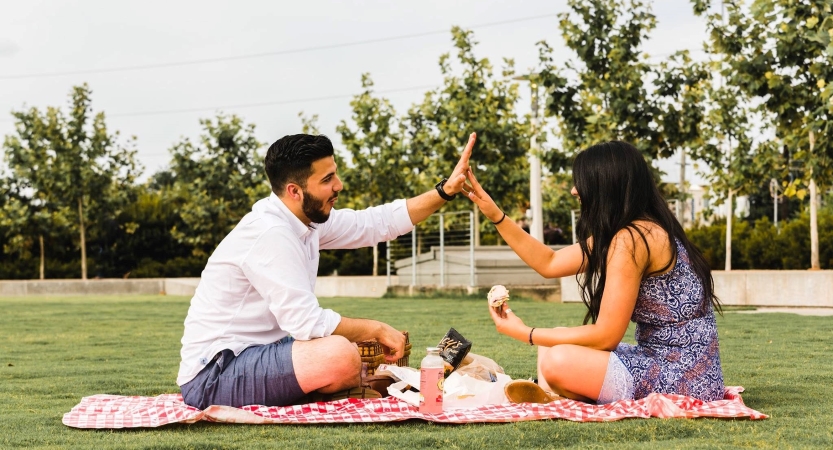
439 187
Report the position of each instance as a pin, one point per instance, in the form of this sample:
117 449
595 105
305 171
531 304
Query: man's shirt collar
295 224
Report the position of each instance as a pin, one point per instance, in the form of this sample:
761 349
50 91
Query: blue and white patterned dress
676 333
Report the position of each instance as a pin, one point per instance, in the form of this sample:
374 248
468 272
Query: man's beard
313 207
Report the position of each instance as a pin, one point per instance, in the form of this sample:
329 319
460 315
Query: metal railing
435 235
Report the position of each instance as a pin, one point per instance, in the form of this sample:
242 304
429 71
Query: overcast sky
39 38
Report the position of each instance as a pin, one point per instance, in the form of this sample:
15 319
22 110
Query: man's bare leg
327 365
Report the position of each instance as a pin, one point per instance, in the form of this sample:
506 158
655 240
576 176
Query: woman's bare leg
541 381
573 371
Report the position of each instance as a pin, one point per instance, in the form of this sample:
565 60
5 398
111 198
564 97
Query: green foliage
735 161
557 204
164 267
380 169
350 262
681 88
761 246
602 96
70 184
64 165
711 240
143 244
216 181
700 6
473 101
757 248
779 51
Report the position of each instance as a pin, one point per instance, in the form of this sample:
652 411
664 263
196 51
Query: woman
636 264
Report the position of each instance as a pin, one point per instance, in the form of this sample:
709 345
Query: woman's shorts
259 375
618 382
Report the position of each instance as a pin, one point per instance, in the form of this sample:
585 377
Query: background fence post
573 223
442 250
387 259
413 256
471 248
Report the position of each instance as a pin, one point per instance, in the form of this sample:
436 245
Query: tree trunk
42 264
814 227
376 260
83 240
729 213
814 222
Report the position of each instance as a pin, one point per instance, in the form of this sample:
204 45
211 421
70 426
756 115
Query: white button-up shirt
258 285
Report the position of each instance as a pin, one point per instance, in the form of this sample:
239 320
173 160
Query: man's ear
293 191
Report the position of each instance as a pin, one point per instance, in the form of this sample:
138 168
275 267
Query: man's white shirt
258 285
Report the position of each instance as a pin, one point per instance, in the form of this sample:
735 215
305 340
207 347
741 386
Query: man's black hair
290 158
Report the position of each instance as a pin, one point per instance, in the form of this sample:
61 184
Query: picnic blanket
114 411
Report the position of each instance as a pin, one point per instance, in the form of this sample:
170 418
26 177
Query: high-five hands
475 192
457 180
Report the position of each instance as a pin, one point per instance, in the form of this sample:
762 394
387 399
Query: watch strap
439 186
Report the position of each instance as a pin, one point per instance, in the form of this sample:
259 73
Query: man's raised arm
423 205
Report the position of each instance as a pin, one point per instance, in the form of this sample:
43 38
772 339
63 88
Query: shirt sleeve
349 228
276 268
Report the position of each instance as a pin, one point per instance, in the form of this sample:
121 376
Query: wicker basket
372 355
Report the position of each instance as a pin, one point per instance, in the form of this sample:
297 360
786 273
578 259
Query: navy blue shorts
259 375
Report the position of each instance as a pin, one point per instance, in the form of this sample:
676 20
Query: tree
24 219
734 160
380 168
603 96
32 200
780 53
69 161
439 127
216 181
143 237
27 217
558 204
681 88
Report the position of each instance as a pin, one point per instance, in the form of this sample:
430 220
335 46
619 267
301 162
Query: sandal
378 383
525 391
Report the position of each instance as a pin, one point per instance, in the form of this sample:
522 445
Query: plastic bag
469 386
479 367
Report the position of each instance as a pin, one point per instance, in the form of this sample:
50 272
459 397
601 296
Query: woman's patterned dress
676 334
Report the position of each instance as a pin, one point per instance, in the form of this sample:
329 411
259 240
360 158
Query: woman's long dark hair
616 188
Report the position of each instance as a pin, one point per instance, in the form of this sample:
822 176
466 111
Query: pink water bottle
431 377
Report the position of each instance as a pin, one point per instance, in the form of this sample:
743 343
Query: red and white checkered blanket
114 411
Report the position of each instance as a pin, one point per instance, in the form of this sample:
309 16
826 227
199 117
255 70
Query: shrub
761 246
711 241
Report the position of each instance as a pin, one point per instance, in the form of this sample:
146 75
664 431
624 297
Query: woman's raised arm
540 257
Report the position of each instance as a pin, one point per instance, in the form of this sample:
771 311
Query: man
255 333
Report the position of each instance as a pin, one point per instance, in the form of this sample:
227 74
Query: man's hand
423 205
393 342
457 179
357 330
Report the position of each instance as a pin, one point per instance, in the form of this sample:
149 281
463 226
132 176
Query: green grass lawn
53 351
